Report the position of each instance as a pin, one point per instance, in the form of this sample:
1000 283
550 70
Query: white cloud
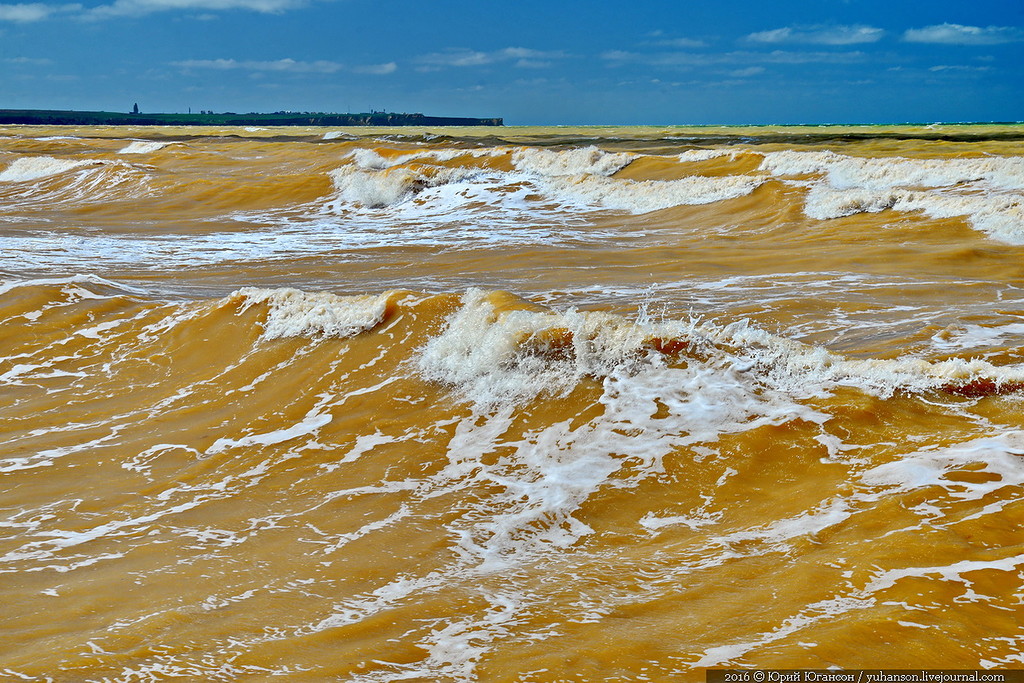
747 72
694 59
957 67
957 34
820 35
680 42
520 56
141 7
28 61
34 11
37 11
532 64
280 65
287 65
376 69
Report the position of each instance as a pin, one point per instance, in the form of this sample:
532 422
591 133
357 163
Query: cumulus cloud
34 11
958 34
820 35
519 56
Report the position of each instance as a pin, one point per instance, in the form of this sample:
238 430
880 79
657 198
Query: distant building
135 109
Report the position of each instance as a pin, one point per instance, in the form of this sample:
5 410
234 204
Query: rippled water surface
512 404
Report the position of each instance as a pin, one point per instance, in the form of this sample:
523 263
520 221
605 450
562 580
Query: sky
532 62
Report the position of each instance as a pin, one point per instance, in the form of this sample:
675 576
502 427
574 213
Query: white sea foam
493 358
571 162
985 190
143 147
294 313
389 186
805 370
483 352
974 336
71 280
705 154
24 169
644 196
1000 215
650 410
309 425
877 173
998 456
373 160
575 179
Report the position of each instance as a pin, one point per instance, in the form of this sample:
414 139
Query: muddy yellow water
512 404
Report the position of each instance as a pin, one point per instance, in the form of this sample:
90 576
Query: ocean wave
692 155
32 183
143 147
881 173
293 313
645 196
577 178
372 159
984 190
390 186
495 348
571 162
25 169
1000 215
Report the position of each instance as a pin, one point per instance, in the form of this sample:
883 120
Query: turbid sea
509 404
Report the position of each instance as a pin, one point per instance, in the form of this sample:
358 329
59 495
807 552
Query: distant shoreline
55 117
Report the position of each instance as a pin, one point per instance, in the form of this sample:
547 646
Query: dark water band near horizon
509 404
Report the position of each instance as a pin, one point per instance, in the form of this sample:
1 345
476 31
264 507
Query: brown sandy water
509 405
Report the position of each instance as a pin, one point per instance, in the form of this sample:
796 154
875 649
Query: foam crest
495 352
294 313
804 370
373 160
705 154
986 190
999 215
845 172
143 147
571 162
390 186
644 196
103 287
24 169
574 178
498 348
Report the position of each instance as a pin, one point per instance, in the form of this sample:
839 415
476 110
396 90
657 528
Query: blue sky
531 62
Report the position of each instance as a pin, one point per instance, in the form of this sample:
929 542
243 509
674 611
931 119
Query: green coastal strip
53 117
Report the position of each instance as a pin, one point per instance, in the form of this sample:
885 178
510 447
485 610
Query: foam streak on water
509 404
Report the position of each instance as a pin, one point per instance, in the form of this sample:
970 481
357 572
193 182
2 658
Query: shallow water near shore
515 404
